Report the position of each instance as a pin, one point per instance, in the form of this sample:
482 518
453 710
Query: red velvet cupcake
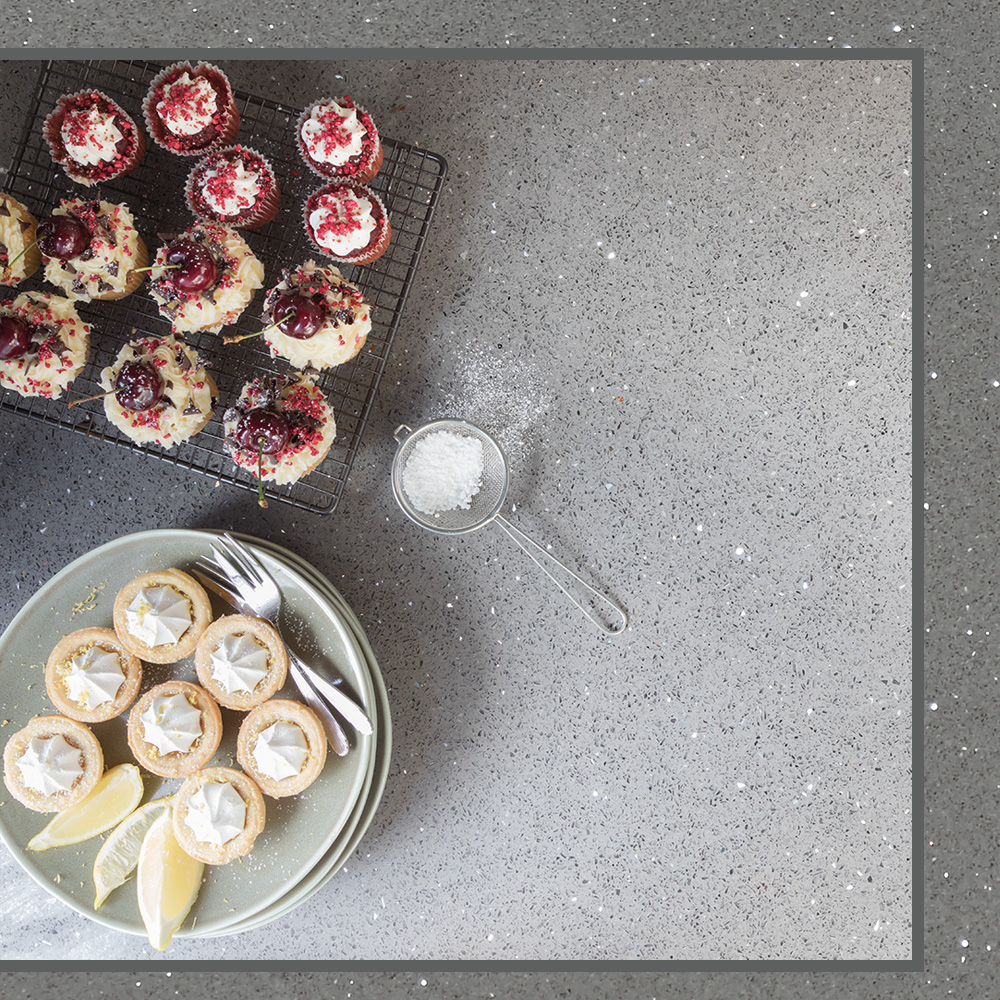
92 138
235 186
348 222
190 110
338 140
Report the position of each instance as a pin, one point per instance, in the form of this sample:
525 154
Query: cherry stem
152 267
247 336
261 502
87 399
11 263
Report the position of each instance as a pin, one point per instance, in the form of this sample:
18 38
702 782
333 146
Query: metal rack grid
409 183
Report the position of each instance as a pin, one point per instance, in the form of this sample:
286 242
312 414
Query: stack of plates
306 839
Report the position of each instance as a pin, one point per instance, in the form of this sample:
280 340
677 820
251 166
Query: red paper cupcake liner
52 129
226 120
262 213
366 255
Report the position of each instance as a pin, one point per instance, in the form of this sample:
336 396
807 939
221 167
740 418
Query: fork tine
246 560
215 584
230 570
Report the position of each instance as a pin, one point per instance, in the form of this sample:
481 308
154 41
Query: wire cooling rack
409 183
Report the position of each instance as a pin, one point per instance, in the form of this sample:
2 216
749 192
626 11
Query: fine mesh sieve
485 507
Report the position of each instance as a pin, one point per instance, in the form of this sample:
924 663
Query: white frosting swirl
280 750
158 616
171 723
94 676
239 188
50 764
187 105
239 663
333 134
90 136
351 227
216 813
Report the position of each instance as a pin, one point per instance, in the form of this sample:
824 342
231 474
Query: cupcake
52 763
174 729
92 138
204 278
92 250
43 344
18 258
348 222
163 395
190 110
241 661
282 746
218 815
337 139
316 318
281 428
90 676
235 186
161 615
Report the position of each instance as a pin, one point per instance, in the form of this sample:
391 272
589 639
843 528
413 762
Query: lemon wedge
119 854
168 880
113 798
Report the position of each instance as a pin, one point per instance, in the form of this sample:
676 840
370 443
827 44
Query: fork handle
339 701
334 733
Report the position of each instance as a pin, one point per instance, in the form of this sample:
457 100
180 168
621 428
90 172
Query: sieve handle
402 432
603 612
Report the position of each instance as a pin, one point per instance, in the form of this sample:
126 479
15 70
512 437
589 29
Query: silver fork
334 732
258 590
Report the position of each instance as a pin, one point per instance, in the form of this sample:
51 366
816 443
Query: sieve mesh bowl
484 506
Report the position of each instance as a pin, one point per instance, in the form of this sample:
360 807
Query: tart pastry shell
277 660
242 843
76 734
200 607
78 642
282 710
177 764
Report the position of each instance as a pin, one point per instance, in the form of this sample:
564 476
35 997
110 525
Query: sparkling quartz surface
678 291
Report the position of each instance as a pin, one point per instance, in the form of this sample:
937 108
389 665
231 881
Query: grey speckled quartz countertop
679 293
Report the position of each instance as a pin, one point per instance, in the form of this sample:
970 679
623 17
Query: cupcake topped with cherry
338 139
204 278
348 222
235 186
281 428
43 344
157 391
93 138
316 318
191 110
92 249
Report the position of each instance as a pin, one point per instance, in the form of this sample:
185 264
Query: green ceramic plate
346 843
299 830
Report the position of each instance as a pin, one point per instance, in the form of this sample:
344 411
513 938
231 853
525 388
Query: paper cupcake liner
370 253
266 209
52 130
331 172
229 127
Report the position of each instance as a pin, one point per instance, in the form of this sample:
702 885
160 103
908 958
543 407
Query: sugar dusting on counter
444 472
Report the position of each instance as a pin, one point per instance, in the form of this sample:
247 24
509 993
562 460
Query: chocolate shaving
3 209
113 268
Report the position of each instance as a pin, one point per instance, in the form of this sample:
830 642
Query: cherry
15 337
138 385
62 236
262 428
307 315
196 267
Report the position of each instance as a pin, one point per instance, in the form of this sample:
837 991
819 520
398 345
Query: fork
255 588
334 732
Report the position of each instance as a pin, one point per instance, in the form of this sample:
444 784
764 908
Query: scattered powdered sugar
503 394
444 472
